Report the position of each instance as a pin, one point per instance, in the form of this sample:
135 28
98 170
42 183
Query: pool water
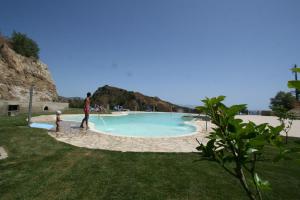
140 124
41 125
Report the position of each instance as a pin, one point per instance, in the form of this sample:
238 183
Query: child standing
58 120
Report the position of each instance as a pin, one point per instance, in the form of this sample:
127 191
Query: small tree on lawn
238 146
281 105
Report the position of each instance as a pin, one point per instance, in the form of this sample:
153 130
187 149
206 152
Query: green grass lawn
39 167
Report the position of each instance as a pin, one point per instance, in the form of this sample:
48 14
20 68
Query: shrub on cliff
23 45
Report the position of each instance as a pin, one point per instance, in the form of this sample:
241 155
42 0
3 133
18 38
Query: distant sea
250 112
188 106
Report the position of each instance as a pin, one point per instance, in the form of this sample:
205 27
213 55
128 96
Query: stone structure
11 107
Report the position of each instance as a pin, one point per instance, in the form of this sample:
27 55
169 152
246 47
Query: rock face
111 96
18 73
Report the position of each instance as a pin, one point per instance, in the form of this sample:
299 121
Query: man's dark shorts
86 116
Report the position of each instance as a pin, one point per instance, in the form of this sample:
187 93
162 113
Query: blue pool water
140 124
41 125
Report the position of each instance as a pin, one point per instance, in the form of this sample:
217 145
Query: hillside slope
18 73
108 95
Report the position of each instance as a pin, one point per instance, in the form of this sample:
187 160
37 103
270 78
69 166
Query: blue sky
178 50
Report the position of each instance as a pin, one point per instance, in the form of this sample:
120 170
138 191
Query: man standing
86 110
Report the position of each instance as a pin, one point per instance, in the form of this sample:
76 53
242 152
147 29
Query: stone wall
37 107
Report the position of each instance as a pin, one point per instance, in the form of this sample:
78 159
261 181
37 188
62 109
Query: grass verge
39 167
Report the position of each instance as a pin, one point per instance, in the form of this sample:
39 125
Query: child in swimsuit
58 120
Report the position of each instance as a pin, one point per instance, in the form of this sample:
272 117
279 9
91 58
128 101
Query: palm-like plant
295 83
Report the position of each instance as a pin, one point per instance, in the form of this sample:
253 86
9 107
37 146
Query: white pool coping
72 134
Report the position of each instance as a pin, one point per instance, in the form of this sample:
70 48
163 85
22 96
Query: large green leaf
200 108
276 130
258 141
294 84
235 109
297 69
261 183
283 155
251 150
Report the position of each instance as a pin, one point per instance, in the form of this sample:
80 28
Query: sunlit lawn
39 167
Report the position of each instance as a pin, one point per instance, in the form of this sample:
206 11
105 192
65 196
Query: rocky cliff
18 73
109 95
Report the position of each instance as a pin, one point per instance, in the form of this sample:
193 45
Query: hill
18 73
112 96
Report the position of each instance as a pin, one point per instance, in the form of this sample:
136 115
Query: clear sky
178 50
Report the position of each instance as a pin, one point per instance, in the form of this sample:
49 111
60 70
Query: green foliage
296 69
282 101
76 102
281 105
294 84
233 142
23 45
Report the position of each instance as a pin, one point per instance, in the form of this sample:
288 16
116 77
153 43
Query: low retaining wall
37 107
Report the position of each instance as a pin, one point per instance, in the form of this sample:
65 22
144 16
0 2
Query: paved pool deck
71 133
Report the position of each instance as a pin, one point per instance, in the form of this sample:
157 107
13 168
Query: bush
282 100
237 146
281 105
24 45
76 103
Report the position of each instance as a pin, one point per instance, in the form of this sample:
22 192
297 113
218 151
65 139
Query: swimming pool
140 124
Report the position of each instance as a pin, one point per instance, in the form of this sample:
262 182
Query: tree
238 146
281 105
282 100
24 45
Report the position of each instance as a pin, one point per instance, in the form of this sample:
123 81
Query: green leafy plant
23 45
281 105
286 119
238 146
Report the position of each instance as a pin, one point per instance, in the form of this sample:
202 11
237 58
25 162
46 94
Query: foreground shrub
238 146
